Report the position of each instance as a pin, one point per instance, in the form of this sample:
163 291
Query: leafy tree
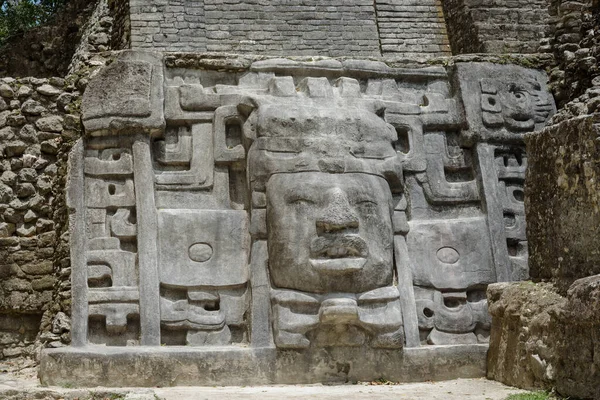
17 16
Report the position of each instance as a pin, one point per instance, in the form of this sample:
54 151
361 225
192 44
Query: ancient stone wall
411 28
39 122
175 159
542 339
331 28
576 47
37 118
563 200
546 334
121 33
485 26
46 51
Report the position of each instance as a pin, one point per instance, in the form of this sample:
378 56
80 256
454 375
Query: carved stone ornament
295 221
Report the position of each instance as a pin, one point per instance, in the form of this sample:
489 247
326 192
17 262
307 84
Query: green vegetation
541 395
18 16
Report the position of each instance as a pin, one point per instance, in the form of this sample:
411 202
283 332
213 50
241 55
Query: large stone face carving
299 211
329 232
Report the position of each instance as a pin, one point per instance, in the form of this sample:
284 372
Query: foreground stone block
562 198
196 366
541 339
295 214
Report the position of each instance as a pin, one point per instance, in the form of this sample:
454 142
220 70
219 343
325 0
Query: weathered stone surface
239 366
32 107
563 197
541 339
126 96
6 91
498 27
50 124
48 90
296 206
522 342
35 282
284 28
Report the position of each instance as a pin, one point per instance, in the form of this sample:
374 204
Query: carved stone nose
338 215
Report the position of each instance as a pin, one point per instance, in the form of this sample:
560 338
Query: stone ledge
185 366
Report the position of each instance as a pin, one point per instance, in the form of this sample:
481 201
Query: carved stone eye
448 255
200 252
302 202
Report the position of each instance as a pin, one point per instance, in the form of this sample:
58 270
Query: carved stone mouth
182 315
520 122
338 253
339 265
189 324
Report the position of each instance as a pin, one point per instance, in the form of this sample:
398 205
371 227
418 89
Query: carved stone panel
450 254
299 205
203 248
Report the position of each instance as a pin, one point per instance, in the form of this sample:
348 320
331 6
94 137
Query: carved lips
338 253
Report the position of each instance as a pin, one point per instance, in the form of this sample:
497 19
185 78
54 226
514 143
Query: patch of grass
541 395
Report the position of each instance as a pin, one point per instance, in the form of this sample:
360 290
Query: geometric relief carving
112 276
450 254
102 193
517 106
373 318
228 139
122 226
358 195
109 162
120 263
410 142
184 158
452 317
225 232
511 165
203 271
440 163
115 315
207 316
503 102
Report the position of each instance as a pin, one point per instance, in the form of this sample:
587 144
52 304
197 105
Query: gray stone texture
573 40
292 214
39 122
476 26
218 366
121 26
34 282
563 177
546 334
541 339
45 50
328 28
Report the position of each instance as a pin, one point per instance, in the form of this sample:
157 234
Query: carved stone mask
518 106
329 232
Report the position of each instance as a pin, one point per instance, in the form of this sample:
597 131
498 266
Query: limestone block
125 97
109 162
48 90
101 193
503 102
203 248
50 124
